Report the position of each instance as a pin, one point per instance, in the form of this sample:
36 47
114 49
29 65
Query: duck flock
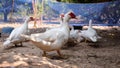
52 39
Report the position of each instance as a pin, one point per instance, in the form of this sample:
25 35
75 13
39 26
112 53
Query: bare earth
103 54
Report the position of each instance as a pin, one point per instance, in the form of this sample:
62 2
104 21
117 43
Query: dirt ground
103 54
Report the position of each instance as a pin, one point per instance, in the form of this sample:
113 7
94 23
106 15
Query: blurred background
103 12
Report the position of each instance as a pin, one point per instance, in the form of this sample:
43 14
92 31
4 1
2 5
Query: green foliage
39 8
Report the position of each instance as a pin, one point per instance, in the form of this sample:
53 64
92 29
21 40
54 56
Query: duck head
69 15
30 19
61 16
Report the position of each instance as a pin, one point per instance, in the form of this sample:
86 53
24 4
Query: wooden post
34 4
42 11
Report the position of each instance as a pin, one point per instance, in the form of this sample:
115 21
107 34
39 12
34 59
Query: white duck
74 35
90 33
53 39
15 38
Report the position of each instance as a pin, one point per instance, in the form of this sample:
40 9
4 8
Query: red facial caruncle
31 18
72 15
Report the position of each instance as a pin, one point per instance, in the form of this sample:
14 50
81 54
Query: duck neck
65 25
65 22
90 24
26 21
61 22
25 24
66 19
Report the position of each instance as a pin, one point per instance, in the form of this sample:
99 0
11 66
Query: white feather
14 37
90 33
52 39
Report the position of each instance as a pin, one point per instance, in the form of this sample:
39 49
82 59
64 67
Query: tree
10 6
6 8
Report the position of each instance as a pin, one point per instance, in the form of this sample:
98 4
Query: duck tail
6 42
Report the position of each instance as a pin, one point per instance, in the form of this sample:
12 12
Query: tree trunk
5 17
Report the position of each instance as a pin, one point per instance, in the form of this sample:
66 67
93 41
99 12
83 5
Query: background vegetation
83 1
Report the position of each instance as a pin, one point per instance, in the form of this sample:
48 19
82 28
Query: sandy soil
103 54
